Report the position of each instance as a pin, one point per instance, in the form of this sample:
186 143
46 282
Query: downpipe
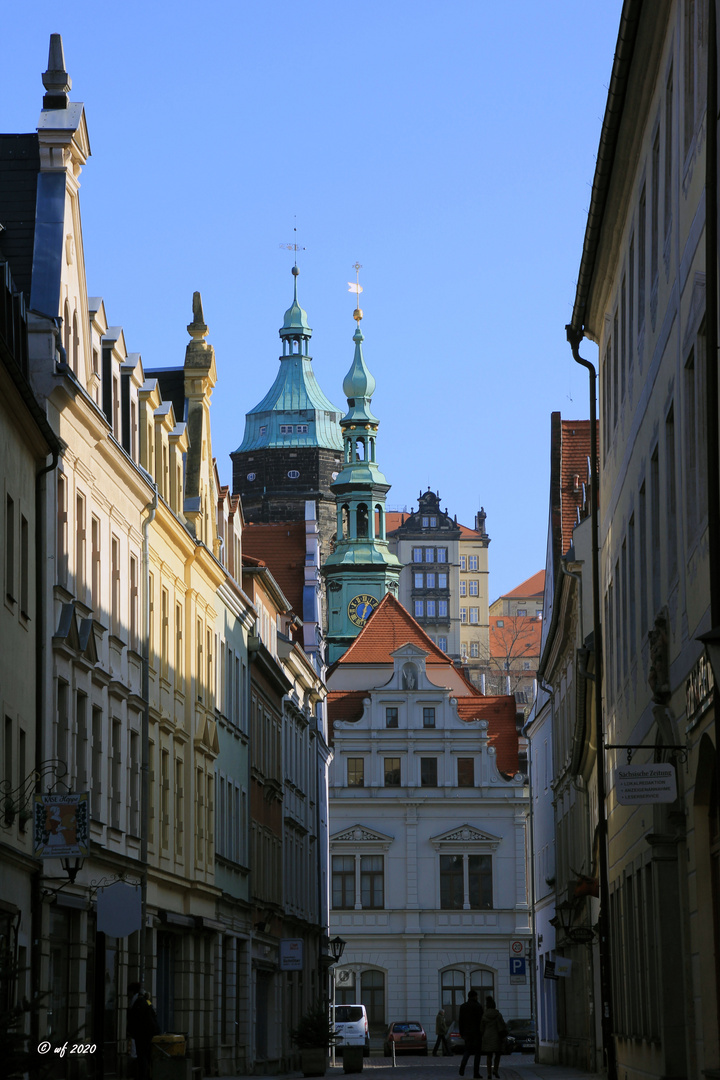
574 338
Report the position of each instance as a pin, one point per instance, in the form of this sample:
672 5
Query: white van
351 1027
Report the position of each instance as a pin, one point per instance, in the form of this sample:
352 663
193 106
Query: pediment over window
466 836
361 834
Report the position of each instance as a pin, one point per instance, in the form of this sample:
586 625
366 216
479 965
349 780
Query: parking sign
517 965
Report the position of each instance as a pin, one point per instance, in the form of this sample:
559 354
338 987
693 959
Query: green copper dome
358 382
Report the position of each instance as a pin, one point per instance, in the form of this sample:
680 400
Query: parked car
457 1043
521 1035
408 1036
351 1028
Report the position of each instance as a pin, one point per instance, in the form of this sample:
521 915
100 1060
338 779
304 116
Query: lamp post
337 947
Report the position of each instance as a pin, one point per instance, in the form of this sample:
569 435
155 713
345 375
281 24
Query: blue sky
448 146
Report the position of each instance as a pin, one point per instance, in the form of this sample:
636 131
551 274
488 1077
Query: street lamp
337 947
72 867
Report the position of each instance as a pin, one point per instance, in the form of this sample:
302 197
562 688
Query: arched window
483 981
372 996
345 523
372 449
359 449
362 521
453 992
379 522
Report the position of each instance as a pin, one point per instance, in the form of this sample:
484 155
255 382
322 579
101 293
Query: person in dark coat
441 1032
493 1030
469 1021
142 1026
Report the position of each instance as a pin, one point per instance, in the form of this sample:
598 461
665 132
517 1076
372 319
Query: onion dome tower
362 569
292 446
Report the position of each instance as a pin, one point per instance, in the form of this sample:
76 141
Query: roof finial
356 288
56 80
197 328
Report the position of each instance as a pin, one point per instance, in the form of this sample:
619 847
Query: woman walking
493 1031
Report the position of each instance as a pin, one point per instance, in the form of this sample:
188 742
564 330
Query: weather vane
356 288
294 246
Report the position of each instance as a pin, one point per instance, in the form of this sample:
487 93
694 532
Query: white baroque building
428 818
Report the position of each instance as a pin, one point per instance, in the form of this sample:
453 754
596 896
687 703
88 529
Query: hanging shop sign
291 954
581 935
119 909
698 691
638 785
62 825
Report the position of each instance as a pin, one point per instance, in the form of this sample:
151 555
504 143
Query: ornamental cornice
361 834
466 836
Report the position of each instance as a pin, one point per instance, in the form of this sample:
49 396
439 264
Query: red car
408 1036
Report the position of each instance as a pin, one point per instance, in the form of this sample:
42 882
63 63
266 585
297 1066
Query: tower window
301 429
286 429
251 476
293 474
263 429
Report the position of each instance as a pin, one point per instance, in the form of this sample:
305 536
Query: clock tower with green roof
292 447
361 569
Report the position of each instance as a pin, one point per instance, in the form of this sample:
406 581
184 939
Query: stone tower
361 569
292 447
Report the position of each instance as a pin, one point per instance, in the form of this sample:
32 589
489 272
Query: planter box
353 1058
314 1062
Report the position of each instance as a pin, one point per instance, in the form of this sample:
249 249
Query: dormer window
286 429
263 429
302 429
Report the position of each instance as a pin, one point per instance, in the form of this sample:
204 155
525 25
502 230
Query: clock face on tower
360 608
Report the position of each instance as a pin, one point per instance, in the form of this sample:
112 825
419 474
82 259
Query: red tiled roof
575 450
534 586
468 534
393 520
518 637
502 733
281 547
389 628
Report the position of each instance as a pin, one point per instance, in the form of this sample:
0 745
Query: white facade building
428 840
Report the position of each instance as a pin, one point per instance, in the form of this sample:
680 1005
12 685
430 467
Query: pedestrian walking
441 1032
493 1030
469 1021
142 1026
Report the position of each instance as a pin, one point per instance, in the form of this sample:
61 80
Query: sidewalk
442 1069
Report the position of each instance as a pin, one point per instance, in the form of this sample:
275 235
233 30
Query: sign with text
636 785
517 947
563 967
62 824
291 954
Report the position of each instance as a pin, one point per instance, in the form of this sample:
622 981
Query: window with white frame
463 615
475 648
431 609
442 609
474 615
463 588
442 581
419 609
473 588
441 555
472 562
358 877
466 882
418 579
417 554
463 562
429 555
442 643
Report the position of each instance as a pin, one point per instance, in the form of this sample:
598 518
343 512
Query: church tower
292 446
362 568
